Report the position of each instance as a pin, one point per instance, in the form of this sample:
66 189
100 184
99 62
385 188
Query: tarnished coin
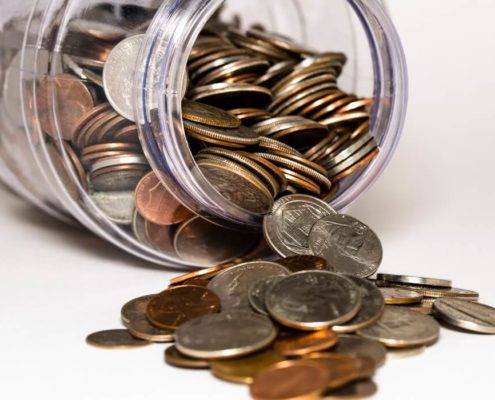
468 315
244 369
312 300
290 380
177 359
305 263
347 244
400 296
400 327
288 225
134 308
115 339
156 204
208 115
176 305
296 343
257 293
118 75
353 344
232 285
372 306
225 335
414 280
141 328
355 390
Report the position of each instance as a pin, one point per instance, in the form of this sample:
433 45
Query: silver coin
225 335
311 300
118 180
117 206
134 308
139 228
352 344
287 226
347 151
232 285
372 306
349 162
200 242
119 160
347 244
257 294
400 327
414 280
474 317
118 75
141 328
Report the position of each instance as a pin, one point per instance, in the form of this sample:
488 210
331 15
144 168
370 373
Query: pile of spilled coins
309 325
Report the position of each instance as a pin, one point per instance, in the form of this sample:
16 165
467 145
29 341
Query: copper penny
206 273
156 204
66 98
290 380
294 343
161 237
175 358
176 305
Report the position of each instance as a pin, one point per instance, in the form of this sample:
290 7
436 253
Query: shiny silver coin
225 335
400 327
118 180
118 75
352 344
372 306
471 316
414 280
312 300
347 244
232 285
257 294
117 206
287 226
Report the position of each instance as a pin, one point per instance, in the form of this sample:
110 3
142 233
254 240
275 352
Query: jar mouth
159 84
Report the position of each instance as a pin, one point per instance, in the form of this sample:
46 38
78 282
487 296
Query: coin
400 327
244 369
208 115
428 291
118 207
240 135
414 280
141 328
225 335
304 263
115 339
289 380
161 237
134 308
296 343
257 293
400 296
115 179
176 305
470 316
372 306
312 300
347 244
205 274
287 226
354 390
232 285
353 344
232 95
177 359
118 75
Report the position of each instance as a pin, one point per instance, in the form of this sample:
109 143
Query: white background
433 209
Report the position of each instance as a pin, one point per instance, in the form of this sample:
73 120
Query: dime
208 115
118 75
352 344
141 328
400 296
312 300
134 308
470 316
372 306
355 390
348 245
117 206
304 263
294 343
225 335
288 225
400 327
232 285
414 280
244 369
176 305
290 380
115 339
257 293
177 359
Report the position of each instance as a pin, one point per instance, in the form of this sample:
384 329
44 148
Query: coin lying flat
415 280
177 359
287 226
312 300
471 316
115 339
134 308
428 291
232 285
296 343
353 344
257 293
400 327
225 335
400 296
347 244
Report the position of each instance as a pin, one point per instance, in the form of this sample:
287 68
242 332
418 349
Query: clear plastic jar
35 37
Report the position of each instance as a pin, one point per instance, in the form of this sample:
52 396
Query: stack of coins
308 325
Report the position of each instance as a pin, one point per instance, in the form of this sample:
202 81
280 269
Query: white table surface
433 209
